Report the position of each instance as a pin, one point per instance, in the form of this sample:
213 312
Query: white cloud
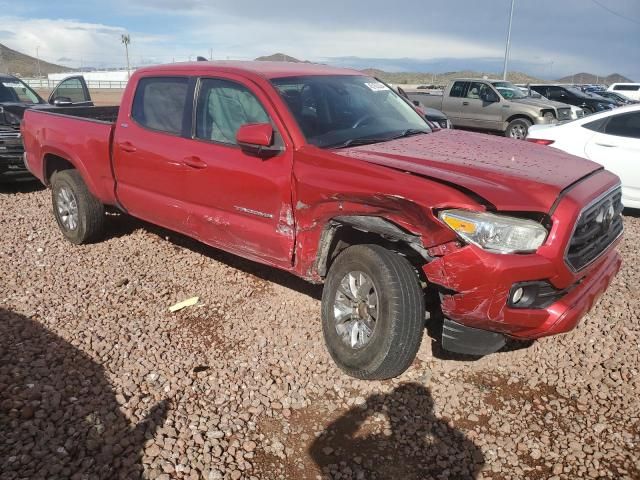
72 42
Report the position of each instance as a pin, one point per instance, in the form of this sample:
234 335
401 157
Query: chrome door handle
465 103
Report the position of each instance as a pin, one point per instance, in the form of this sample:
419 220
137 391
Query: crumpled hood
510 174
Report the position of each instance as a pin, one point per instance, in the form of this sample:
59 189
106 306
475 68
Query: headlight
549 117
496 233
603 106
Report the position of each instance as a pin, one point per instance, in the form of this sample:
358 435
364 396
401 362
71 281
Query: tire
518 129
400 313
79 214
587 111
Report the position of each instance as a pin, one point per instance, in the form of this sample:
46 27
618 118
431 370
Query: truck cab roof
266 70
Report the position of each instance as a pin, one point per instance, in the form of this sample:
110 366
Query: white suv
630 90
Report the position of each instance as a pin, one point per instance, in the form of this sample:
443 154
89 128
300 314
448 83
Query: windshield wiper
409 132
355 142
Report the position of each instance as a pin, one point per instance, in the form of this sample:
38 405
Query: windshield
508 90
343 110
14 90
577 92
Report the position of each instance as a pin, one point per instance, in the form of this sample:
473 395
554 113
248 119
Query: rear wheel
373 312
79 214
518 129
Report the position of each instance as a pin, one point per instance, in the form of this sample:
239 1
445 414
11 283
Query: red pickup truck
329 174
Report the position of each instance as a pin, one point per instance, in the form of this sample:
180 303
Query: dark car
616 97
15 97
432 115
574 96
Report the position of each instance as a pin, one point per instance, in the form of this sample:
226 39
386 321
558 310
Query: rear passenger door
452 103
241 202
149 151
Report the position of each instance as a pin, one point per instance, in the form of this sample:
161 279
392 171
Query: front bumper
476 284
484 305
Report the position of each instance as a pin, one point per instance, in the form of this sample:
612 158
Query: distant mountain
22 65
279 57
591 78
417 78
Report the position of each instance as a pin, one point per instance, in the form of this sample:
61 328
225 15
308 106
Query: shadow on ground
59 418
416 444
20 186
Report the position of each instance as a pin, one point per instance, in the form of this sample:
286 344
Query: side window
458 89
624 125
71 89
554 92
627 88
223 107
160 103
596 125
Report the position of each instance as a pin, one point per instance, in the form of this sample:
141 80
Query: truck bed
79 135
101 114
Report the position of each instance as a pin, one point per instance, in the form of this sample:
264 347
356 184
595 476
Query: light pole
126 40
508 46
38 57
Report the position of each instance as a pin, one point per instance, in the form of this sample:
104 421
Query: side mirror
62 101
489 96
256 139
416 103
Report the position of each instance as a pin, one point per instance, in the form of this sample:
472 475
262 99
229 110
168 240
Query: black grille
564 114
598 226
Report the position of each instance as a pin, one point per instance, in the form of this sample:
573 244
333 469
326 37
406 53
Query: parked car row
333 176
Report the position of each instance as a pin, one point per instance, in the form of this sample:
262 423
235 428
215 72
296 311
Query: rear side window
627 88
597 125
458 89
624 125
160 103
223 107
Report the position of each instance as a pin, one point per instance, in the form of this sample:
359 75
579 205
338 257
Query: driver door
71 92
478 113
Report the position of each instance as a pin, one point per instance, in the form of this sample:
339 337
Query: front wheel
79 214
518 129
373 312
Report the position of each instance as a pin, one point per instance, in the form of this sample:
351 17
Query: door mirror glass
62 101
257 139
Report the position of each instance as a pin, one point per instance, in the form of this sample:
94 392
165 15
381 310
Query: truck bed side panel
83 143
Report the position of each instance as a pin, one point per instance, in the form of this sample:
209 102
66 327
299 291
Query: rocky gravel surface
98 380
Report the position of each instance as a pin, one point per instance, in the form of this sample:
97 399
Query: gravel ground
98 380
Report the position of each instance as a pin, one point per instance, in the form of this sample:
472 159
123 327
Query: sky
550 38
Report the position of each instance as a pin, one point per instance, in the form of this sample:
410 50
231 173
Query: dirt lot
99 381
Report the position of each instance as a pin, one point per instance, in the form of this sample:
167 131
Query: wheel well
53 164
519 116
345 232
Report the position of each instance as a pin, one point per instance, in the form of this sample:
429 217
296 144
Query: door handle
194 162
465 103
127 147
605 145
